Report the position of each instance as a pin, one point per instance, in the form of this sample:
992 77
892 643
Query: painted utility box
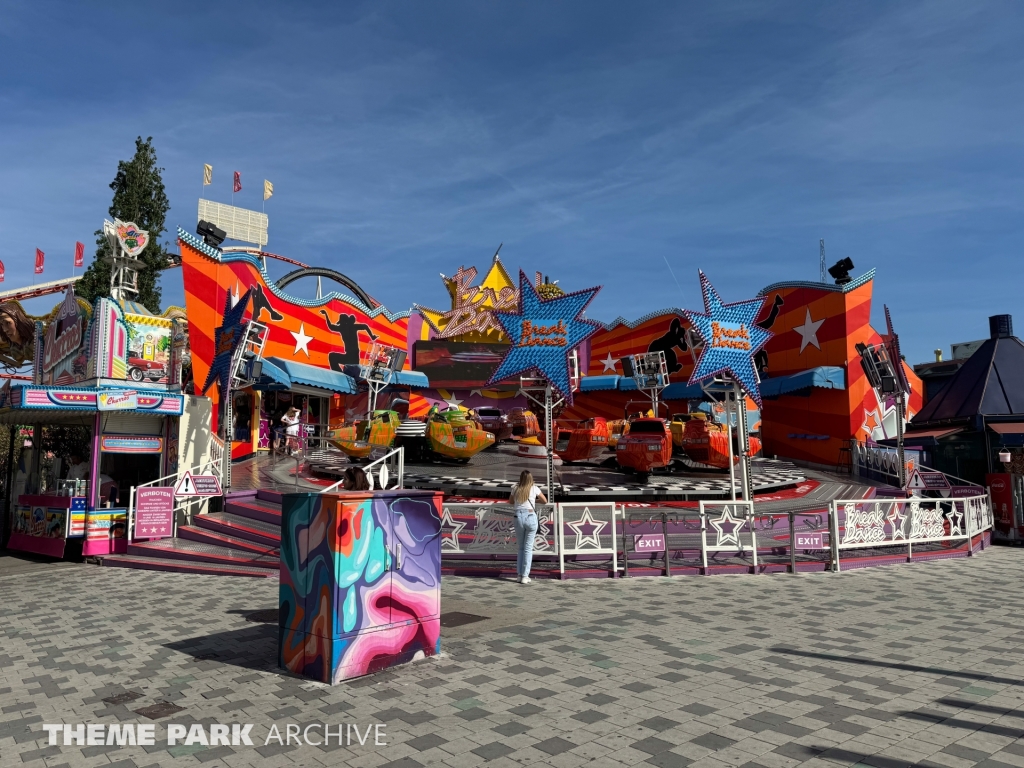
360 581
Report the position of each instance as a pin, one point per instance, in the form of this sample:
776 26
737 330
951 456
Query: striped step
265 494
205 536
183 549
184 566
257 531
255 509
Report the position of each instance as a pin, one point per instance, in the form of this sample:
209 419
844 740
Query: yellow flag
207 175
268 190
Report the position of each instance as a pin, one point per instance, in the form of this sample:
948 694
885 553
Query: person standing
290 420
524 498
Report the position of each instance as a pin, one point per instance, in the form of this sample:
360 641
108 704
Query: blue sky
595 140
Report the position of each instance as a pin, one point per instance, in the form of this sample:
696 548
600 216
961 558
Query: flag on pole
207 175
238 182
79 254
1 271
268 190
40 256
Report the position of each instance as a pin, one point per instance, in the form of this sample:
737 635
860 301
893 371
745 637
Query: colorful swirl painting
360 582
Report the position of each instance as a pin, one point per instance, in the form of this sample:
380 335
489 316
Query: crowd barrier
720 535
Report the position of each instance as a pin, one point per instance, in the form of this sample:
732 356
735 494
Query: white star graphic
896 520
808 331
450 532
301 340
956 521
475 392
732 535
453 401
609 363
587 521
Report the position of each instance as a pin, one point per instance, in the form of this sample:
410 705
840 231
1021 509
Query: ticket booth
86 377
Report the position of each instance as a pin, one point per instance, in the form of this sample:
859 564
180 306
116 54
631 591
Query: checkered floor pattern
495 473
771 474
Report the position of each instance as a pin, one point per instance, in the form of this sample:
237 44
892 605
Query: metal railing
730 521
593 529
182 504
380 473
859 524
488 530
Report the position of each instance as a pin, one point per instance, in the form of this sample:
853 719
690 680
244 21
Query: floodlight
212 235
841 271
398 359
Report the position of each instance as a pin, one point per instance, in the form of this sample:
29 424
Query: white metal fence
696 538
733 526
587 529
487 530
885 524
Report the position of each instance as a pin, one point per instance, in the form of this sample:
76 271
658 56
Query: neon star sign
543 333
731 339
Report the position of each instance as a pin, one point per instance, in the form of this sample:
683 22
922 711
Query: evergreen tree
139 197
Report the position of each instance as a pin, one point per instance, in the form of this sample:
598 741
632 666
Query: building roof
990 383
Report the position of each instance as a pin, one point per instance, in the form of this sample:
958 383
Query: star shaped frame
731 339
226 337
544 332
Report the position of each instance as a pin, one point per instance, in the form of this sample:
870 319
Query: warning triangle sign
186 486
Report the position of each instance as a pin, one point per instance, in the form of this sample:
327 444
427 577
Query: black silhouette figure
675 338
347 326
260 302
761 358
769 321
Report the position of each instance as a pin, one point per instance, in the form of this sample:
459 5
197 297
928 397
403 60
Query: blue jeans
526 528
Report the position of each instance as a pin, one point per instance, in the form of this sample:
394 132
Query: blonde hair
521 491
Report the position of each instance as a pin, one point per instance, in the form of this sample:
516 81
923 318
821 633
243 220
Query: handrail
962 480
198 469
383 475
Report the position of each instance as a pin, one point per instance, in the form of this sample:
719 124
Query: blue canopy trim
600 383
310 376
824 377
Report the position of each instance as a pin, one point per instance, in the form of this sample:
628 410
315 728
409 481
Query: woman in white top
524 498
291 431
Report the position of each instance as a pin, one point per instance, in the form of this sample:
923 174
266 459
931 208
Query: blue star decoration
543 333
225 340
731 339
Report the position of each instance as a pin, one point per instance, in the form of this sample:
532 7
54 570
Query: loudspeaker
627 367
398 359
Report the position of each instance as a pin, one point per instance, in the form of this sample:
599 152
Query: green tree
139 197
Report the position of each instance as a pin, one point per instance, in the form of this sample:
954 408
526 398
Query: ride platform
493 473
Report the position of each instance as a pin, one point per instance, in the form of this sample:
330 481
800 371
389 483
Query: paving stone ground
919 665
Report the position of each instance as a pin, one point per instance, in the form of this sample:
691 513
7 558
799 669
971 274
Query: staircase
243 540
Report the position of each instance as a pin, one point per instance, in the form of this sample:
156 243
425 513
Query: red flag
79 254
1 271
238 182
39 261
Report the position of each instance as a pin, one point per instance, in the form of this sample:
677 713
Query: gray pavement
909 665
